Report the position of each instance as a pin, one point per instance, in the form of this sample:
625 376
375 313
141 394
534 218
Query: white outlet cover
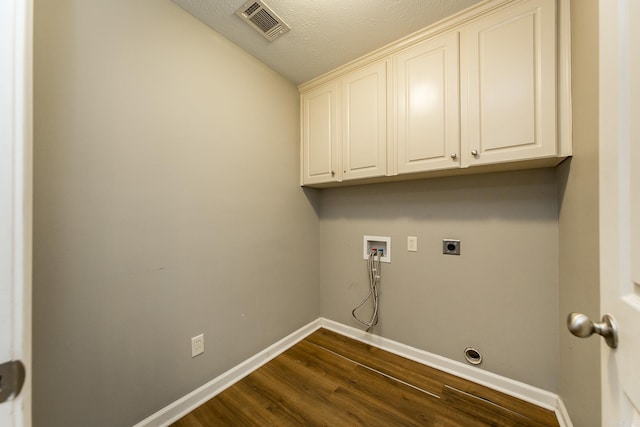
197 345
412 244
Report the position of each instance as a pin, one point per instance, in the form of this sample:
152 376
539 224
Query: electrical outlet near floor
197 345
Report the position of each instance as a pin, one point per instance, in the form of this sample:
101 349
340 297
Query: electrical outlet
197 345
412 244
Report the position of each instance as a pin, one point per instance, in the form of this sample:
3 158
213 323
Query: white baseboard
191 401
188 403
562 414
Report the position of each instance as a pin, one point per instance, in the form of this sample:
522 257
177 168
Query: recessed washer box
379 243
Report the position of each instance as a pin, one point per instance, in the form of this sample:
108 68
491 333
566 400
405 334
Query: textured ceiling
324 33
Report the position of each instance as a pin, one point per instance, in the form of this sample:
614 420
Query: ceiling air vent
262 19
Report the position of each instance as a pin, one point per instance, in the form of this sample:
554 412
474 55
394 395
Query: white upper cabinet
364 122
427 107
486 90
344 127
320 134
508 85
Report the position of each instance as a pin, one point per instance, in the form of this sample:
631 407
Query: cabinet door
319 134
428 106
364 122
508 85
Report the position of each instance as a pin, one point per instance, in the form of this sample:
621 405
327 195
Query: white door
620 206
15 199
508 84
320 135
364 122
427 124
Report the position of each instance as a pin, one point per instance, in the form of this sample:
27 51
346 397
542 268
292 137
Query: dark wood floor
331 380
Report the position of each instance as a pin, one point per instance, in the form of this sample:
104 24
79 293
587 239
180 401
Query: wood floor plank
331 380
531 411
381 395
310 392
353 406
423 376
227 408
358 396
482 409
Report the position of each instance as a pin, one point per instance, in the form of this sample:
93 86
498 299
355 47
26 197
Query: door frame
16 205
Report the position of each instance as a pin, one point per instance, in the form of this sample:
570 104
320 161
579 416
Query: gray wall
166 205
579 244
500 295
